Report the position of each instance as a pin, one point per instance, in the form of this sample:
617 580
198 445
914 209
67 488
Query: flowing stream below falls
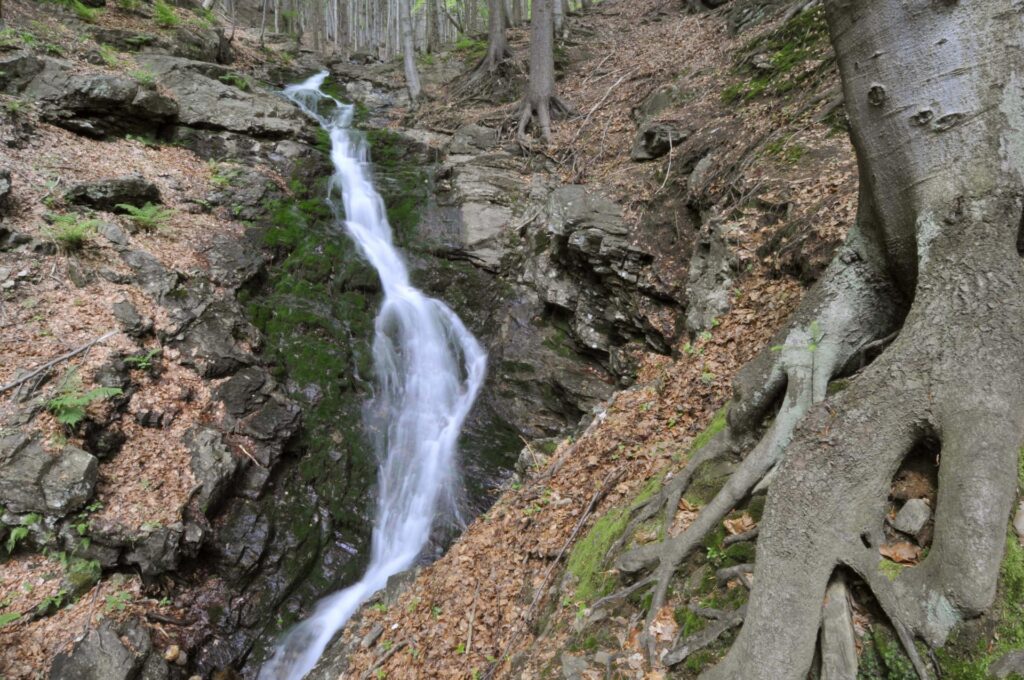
429 369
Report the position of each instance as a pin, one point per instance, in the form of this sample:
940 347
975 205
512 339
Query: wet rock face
106 194
35 480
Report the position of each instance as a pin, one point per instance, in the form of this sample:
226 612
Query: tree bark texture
935 97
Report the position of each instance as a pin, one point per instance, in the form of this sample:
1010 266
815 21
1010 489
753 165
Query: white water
429 369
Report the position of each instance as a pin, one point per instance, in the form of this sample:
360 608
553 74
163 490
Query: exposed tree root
851 308
541 111
705 637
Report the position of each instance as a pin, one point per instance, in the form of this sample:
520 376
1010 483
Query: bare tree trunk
263 22
540 100
497 43
412 76
559 16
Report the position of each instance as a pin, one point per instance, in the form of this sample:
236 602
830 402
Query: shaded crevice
1020 236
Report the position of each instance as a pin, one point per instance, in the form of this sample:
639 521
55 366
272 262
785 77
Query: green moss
689 623
401 181
890 569
587 560
717 424
784 58
883 658
698 661
837 386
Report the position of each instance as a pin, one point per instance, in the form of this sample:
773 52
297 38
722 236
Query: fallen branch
609 483
384 659
50 364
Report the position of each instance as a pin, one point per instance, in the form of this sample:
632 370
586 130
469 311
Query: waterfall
429 369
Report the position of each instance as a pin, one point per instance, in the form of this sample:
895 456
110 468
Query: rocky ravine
220 487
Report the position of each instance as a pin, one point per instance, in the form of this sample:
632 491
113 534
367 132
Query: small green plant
52 603
10 37
144 77
129 5
109 55
144 140
386 645
236 80
117 602
379 607
16 536
142 362
70 402
86 14
14 106
460 648
71 231
149 217
164 15
9 618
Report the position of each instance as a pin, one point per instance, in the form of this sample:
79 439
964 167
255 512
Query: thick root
541 111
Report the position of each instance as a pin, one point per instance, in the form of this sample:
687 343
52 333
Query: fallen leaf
902 552
664 625
740 525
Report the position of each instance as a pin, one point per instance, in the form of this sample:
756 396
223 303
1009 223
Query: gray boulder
656 140
99 105
99 656
17 69
912 517
5 189
158 551
212 465
106 194
35 480
207 102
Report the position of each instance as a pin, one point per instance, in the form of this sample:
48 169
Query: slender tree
412 75
540 100
497 44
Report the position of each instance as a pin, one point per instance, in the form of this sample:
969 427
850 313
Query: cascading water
429 369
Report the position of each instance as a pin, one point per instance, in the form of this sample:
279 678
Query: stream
429 371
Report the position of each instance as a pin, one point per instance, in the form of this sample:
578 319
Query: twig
472 618
170 620
255 462
668 170
610 481
740 538
382 660
599 104
50 364
525 222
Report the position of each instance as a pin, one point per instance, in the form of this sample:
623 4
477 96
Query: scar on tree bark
933 265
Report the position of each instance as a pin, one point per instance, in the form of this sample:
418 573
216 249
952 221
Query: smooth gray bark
935 98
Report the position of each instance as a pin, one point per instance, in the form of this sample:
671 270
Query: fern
164 15
70 403
71 232
149 217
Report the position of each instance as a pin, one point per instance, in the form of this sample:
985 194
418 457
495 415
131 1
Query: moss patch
587 560
786 58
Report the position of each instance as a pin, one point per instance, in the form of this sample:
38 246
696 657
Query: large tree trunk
540 101
412 75
936 105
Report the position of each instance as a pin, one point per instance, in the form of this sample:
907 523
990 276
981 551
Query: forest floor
782 184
